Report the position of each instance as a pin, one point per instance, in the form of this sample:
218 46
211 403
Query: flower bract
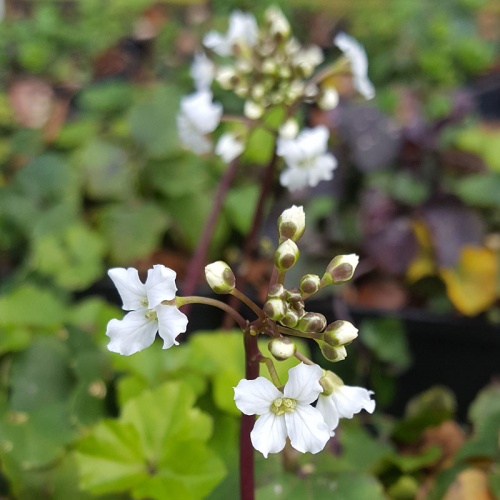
148 315
288 413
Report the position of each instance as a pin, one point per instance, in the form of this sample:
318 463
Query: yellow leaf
470 484
423 264
472 284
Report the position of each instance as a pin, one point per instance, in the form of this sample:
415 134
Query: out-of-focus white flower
306 157
137 330
202 71
308 58
242 30
356 54
198 116
288 413
342 401
229 147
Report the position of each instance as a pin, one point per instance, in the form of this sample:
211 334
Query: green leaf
260 147
152 120
106 170
387 339
156 449
482 190
484 443
239 206
132 231
487 403
106 97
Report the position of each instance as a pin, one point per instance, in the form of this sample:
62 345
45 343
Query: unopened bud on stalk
275 309
330 383
276 291
220 277
226 77
278 23
328 99
312 322
253 110
292 223
340 269
340 333
290 319
309 284
286 255
293 296
282 348
289 129
332 353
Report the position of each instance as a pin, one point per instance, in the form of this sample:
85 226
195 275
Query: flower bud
253 110
312 322
286 255
332 353
282 348
309 284
340 269
328 99
278 23
220 277
276 291
275 309
291 223
290 319
340 333
289 129
226 77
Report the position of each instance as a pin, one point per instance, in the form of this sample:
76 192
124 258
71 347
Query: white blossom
202 71
288 413
229 147
198 116
343 402
148 315
306 157
356 55
242 30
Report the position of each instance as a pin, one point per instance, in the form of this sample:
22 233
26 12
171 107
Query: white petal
131 289
327 408
202 71
269 434
160 285
294 178
303 383
315 140
218 43
132 334
322 170
229 147
171 322
351 400
254 397
307 429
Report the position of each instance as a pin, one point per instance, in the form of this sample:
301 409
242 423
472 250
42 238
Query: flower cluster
267 67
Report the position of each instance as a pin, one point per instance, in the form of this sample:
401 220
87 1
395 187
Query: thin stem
198 259
272 371
249 302
303 358
183 301
296 333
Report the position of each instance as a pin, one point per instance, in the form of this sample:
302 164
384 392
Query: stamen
283 405
151 315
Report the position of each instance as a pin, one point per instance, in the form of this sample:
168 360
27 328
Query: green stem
303 358
242 322
296 333
250 303
272 371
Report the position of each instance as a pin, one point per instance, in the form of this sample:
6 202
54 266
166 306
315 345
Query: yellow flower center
283 405
151 315
144 302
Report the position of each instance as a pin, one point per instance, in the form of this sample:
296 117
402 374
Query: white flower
356 54
202 71
137 330
198 116
306 159
288 413
242 30
343 401
229 147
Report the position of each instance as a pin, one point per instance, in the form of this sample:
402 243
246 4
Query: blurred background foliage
92 175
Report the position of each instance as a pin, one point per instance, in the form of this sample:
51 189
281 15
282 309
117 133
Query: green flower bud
275 309
276 291
309 284
332 353
292 295
220 277
340 269
312 322
291 223
286 255
282 348
290 319
340 333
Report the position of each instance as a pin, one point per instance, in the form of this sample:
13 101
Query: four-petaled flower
198 116
306 157
242 30
148 314
356 55
342 401
288 413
